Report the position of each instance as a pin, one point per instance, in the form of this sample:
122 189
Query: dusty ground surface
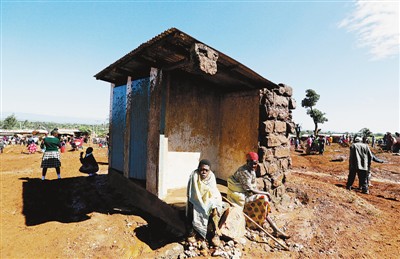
83 217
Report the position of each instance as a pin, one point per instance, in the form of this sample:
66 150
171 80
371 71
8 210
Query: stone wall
276 124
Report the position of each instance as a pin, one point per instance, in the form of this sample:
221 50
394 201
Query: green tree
10 122
309 102
365 133
25 124
85 128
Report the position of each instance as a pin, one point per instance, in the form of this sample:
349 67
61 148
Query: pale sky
347 51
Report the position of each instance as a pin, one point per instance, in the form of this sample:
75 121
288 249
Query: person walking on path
360 164
51 157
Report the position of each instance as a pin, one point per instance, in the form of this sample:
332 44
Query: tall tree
10 122
365 132
309 102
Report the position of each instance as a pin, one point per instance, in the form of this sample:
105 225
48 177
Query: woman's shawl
205 196
236 193
238 185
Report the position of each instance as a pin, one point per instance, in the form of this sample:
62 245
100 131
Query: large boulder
233 223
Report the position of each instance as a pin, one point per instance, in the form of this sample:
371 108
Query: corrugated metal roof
171 50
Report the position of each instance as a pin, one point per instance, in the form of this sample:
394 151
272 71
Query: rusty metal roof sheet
169 51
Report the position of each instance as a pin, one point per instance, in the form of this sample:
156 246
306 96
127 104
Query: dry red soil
83 217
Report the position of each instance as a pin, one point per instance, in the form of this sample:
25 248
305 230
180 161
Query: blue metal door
139 128
118 119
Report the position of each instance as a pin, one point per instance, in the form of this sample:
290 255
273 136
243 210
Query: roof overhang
173 50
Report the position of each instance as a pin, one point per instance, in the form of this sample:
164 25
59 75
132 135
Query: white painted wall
174 168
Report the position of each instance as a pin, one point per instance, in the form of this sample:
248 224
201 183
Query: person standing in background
51 156
360 164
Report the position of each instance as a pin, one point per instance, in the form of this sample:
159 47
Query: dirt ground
83 217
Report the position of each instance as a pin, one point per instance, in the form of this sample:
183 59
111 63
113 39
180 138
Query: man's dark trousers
362 179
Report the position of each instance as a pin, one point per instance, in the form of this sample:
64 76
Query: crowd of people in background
32 142
52 145
317 144
18 140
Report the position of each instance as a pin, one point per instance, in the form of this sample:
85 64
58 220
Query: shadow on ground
73 199
65 200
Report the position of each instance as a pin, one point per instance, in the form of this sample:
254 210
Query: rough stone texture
284 114
262 152
268 96
273 141
267 127
288 90
268 184
272 113
277 193
172 250
233 223
280 126
281 101
278 112
290 127
260 184
266 154
263 170
282 152
205 57
272 168
280 90
285 90
283 139
277 180
274 149
284 164
292 104
270 158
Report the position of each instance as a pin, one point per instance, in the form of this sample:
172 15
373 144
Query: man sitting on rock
204 204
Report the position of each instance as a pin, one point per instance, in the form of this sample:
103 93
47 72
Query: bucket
62 149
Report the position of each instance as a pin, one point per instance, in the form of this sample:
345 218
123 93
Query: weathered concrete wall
239 123
274 148
193 118
203 123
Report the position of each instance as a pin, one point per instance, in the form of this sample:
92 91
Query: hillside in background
54 118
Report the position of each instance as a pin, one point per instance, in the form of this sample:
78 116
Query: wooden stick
260 227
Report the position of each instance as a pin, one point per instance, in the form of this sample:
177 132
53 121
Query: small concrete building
175 100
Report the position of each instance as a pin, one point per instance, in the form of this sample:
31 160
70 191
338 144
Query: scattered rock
338 159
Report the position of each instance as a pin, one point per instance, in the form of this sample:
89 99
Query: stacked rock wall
276 124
